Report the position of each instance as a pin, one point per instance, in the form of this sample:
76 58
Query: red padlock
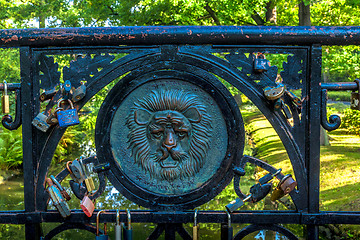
87 205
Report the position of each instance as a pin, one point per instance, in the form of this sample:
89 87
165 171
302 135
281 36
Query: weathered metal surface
166 135
169 135
229 35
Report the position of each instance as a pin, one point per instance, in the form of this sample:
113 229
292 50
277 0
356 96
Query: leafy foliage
351 121
10 149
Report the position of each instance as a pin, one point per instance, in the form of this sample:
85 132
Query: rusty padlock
287 184
62 190
273 93
87 205
57 199
261 64
67 117
355 97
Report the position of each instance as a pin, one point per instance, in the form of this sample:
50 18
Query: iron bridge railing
169 135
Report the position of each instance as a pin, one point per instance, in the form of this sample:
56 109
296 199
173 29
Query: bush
351 121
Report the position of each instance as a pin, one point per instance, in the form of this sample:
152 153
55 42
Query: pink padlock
87 206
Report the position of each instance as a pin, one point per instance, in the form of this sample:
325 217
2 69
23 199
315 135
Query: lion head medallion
169 134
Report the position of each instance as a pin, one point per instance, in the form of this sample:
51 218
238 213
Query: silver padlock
40 122
76 171
79 93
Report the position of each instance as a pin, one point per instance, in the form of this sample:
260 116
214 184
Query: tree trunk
42 21
304 14
270 12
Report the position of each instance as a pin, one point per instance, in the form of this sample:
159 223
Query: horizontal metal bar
331 218
10 86
142 216
152 35
340 86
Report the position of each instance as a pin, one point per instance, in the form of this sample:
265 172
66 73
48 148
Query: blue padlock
67 117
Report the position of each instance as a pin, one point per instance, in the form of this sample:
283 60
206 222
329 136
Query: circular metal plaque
169 137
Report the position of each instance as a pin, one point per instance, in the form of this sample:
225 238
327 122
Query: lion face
169 134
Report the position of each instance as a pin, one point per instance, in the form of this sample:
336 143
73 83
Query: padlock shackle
117 217
195 217
228 217
68 167
49 181
56 182
283 179
98 221
62 100
5 87
128 218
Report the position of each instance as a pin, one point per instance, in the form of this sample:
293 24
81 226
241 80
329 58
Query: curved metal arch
53 137
68 226
232 75
272 227
206 62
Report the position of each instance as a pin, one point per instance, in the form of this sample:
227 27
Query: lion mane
199 139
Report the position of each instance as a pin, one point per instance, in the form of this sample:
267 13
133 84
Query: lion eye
181 134
157 134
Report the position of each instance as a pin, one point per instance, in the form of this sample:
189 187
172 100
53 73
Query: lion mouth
169 163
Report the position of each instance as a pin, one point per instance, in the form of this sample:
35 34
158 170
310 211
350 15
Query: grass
339 95
339 163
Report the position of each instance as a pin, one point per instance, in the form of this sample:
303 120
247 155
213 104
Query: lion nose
169 141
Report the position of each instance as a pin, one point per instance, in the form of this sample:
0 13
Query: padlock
5 100
40 122
268 177
98 235
273 93
196 226
258 191
261 64
297 101
47 94
237 203
287 184
87 205
76 171
79 189
118 229
57 199
52 119
286 110
355 97
62 190
67 117
239 171
277 194
227 229
89 182
66 90
127 229
79 93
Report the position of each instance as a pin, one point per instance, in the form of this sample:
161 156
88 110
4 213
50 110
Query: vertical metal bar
32 231
170 230
313 141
